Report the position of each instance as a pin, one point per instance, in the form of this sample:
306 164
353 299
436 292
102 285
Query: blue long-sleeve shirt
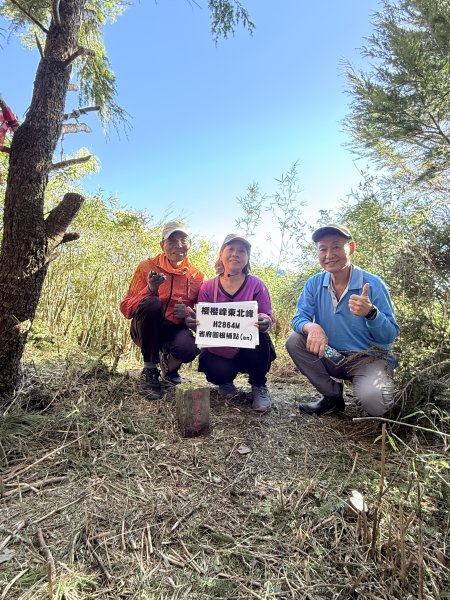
347 332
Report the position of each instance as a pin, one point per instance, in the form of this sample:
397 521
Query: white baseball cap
172 227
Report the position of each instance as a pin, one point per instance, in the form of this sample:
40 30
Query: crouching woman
235 284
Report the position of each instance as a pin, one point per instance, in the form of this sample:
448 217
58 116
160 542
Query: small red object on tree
8 121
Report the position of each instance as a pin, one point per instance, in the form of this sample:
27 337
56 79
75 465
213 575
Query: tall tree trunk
28 239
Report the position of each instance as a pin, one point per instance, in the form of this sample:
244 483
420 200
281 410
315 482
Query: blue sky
209 120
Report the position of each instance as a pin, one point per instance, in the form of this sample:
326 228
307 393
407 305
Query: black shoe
150 383
173 378
169 377
326 405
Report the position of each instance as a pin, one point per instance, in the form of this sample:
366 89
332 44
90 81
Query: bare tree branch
80 111
72 87
55 12
70 162
75 128
54 254
77 53
61 217
39 45
70 237
439 130
25 12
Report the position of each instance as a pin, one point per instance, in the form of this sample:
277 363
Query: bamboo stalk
376 514
402 424
420 540
45 551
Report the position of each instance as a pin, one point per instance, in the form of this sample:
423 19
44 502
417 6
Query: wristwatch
371 314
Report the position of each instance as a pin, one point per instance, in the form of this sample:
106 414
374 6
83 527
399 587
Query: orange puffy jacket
182 282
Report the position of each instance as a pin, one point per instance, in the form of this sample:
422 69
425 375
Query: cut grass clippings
101 498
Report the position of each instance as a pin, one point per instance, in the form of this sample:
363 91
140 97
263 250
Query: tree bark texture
28 238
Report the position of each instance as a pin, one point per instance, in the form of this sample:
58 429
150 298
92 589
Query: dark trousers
256 362
153 333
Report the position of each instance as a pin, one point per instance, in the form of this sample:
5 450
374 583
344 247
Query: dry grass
102 498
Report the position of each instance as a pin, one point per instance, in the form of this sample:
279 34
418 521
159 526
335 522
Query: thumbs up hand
179 309
360 305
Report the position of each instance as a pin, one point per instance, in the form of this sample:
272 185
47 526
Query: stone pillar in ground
193 410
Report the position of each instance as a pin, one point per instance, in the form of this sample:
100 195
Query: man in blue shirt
348 310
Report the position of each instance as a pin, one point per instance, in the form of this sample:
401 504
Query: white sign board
227 324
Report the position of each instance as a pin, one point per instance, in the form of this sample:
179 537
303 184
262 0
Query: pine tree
400 108
68 34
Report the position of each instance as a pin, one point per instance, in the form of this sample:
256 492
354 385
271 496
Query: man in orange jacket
161 289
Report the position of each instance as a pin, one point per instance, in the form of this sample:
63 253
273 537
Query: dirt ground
101 497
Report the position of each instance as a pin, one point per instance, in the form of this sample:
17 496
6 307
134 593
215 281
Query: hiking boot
228 390
150 383
261 398
169 377
173 378
326 405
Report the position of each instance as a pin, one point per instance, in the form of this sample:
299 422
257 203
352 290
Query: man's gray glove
264 323
154 280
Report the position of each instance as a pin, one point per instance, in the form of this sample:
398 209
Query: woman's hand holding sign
263 323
